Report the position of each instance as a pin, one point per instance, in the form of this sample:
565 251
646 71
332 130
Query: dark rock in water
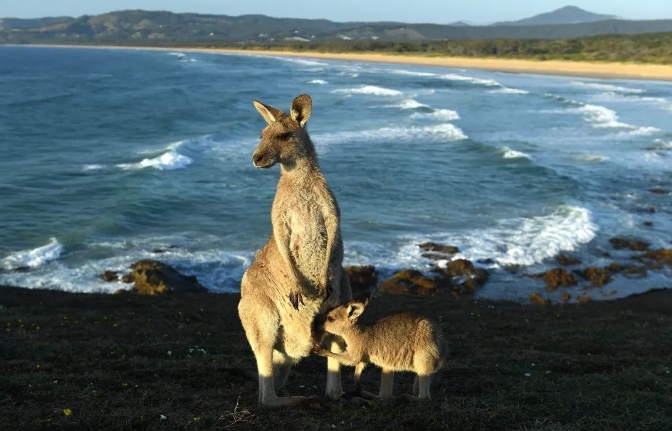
632 244
635 272
410 281
663 255
558 277
538 299
459 277
163 250
567 260
362 278
109 276
658 191
127 278
439 248
152 277
487 261
598 276
464 269
651 210
648 223
615 267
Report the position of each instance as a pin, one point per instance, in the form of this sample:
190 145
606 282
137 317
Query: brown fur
298 273
402 342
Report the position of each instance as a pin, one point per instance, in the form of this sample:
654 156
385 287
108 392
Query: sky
434 11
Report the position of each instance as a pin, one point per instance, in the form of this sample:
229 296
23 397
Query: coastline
652 72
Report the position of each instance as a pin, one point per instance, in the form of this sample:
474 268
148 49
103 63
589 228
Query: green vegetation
646 48
124 362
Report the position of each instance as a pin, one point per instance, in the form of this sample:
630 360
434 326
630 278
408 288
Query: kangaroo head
284 140
344 317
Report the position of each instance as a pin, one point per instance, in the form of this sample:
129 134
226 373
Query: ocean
109 155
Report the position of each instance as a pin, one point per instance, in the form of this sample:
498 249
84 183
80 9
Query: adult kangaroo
298 273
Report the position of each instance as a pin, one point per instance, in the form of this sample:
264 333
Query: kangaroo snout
259 160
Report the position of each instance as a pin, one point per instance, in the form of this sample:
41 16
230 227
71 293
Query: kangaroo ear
301 109
355 309
270 114
363 298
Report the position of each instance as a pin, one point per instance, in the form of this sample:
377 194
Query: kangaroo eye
331 318
285 136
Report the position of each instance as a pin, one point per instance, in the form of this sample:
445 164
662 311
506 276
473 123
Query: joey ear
301 109
270 114
355 309
363 298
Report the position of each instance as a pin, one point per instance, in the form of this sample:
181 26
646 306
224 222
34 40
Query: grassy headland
126 362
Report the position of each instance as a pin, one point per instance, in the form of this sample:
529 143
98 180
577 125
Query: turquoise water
110 154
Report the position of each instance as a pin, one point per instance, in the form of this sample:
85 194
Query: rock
410 281
438 248
635 272
464 269
583 299
127 278
567 260
651 210
663 255
598 276
109 276
648 223
658 191
362 278
565 297
559 277
152 277
487 261
538 299
615 267
477 279
459 268
634 245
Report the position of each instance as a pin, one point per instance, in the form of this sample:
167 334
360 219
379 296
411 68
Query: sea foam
369 90
508 90
318 82
166 162
410 104
439 132
33 258
472 80
602 117
607 87
513 154
527 241
437 114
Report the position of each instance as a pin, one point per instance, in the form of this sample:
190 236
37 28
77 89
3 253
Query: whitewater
111 156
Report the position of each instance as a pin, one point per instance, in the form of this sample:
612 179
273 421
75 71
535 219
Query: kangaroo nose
256 158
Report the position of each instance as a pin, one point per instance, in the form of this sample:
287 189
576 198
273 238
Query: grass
123 362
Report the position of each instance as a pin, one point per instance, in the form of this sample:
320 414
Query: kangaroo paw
295 299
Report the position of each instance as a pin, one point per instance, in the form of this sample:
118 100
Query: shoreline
633 71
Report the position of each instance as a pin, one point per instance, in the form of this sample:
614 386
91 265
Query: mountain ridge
162 27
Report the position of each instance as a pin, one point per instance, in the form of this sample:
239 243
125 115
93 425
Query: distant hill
460 24
565 15
139 27
18 23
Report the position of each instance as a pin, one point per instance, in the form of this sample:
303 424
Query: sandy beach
562 68
614 70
